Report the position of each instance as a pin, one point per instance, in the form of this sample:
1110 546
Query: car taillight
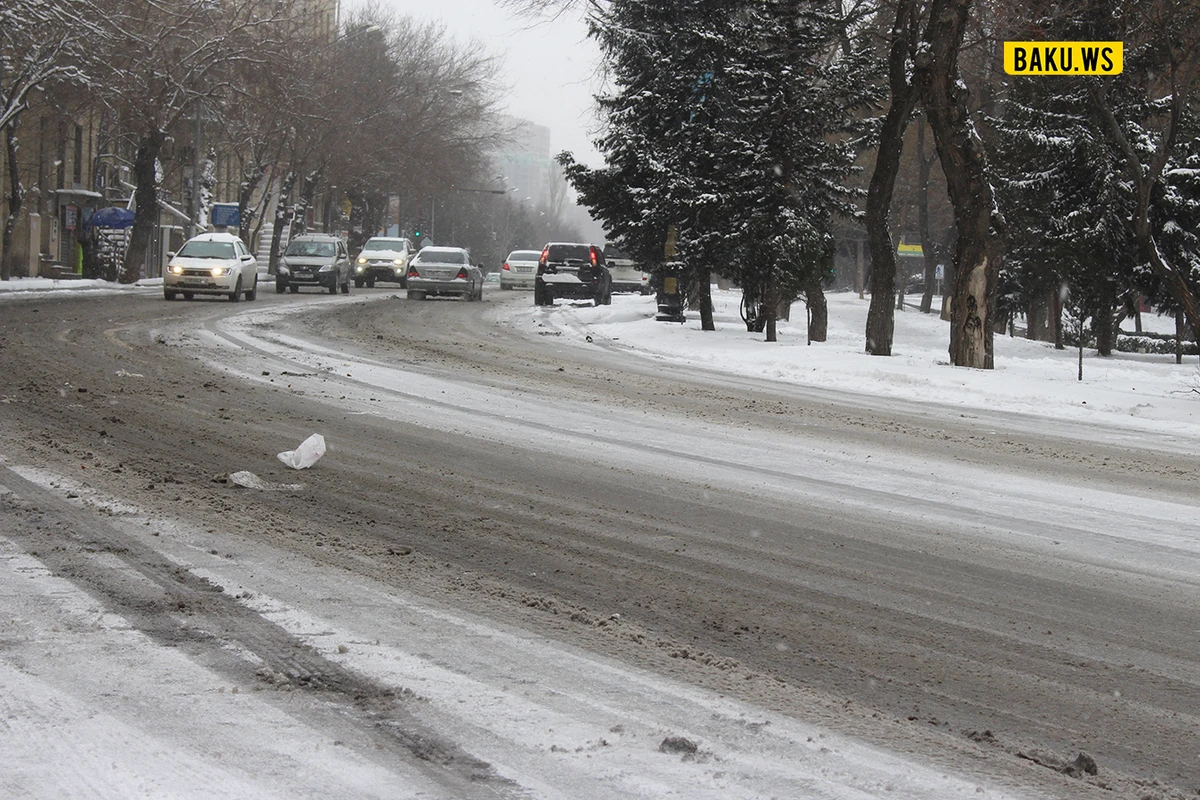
412 272
462 274
593 252
545 253
507 267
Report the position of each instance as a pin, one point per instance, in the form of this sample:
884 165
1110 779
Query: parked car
444 271
627 275
212 263
574 271
383 258
318 260
520 269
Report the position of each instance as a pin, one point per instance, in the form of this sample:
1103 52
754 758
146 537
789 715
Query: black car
573 271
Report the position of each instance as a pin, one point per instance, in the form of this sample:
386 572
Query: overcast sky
549 66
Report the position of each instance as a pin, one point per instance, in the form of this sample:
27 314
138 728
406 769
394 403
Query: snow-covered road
103 703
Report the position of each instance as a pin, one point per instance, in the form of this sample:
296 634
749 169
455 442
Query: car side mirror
170 254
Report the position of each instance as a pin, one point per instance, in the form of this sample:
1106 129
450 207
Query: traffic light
416 234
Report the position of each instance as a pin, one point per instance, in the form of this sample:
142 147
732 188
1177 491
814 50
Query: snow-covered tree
726 125
1144 113
158 62
1068 213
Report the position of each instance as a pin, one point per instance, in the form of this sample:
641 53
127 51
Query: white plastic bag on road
307 454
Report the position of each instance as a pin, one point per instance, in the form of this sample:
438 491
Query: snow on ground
142 721
22 286
1128 390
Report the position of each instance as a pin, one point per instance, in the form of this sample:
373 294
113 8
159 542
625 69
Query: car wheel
168 295
253 293
370 283
293 289
608 297
358 283
236 294
413 294
188 295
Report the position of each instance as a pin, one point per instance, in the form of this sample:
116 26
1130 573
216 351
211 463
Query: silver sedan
438 271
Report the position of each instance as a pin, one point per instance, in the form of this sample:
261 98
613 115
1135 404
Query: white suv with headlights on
383 258
212 263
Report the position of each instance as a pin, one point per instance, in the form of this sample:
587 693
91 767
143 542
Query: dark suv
319 260
572 271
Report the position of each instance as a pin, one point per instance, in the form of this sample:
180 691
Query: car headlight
362 259
220 272
399 262
326 268
359 268
176 269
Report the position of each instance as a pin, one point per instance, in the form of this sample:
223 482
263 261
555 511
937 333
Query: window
199 248
569 252
430 256
318 249
390 245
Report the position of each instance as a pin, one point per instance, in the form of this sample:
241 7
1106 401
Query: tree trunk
281 214
16 196
859 269
1056 310
1104 322
307 190
928 250
770 306
977 256
1035 319
706 305
145 177
1179 332
251 180
880 319
818 310
359 213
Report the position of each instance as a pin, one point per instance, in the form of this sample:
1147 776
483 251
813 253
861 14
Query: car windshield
310 249
569 252
206 249
442 257
384 244
613 253
524 255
